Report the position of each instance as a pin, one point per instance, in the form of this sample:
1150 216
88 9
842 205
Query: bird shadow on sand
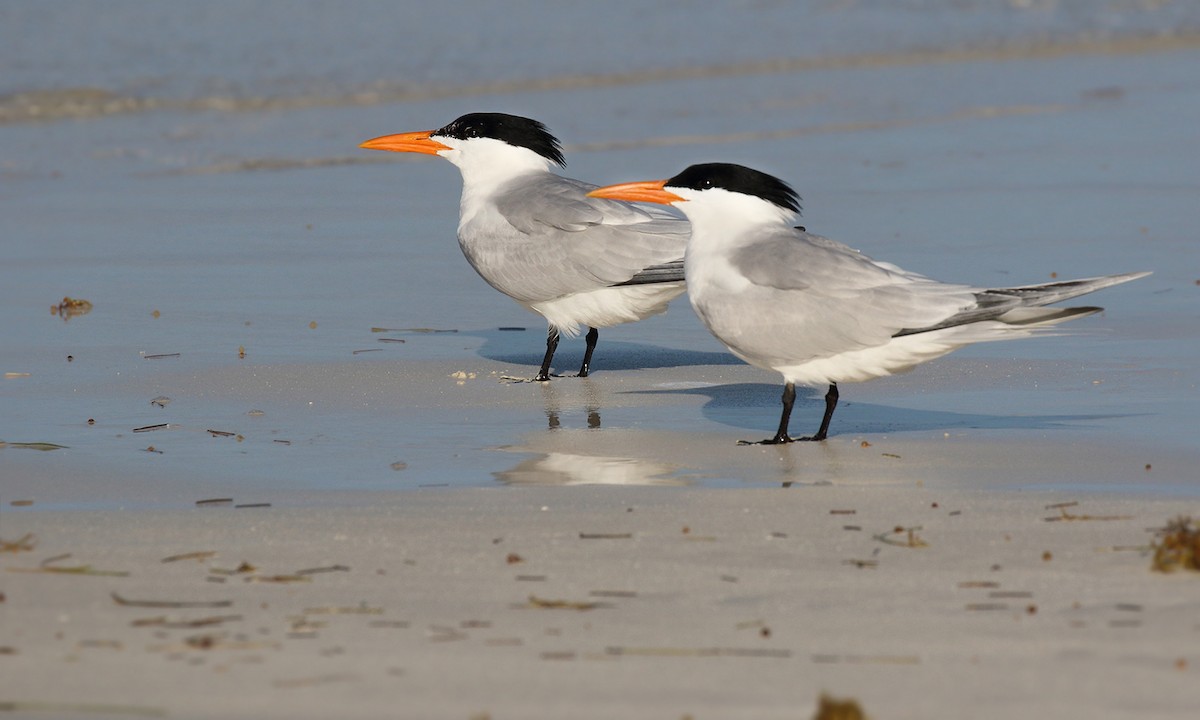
526 348
757 406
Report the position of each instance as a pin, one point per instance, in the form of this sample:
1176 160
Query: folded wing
564 242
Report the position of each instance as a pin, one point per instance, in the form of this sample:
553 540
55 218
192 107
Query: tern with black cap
817 311
538 237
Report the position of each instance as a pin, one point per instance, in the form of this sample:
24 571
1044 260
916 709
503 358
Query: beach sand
600 602
632 572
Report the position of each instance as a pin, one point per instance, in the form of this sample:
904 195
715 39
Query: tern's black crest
739 179
512 129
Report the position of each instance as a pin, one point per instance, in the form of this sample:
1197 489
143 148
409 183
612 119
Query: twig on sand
57 708
164 622
547 604
861 563
329 568
125 602
47 566
25 543
908 537
1068 516
278 578
43 446
198 555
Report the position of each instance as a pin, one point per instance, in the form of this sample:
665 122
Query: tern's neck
726 222
491 164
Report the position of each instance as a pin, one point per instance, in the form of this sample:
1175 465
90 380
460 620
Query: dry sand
601 602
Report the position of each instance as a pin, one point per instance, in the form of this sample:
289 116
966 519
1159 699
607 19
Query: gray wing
840 282
542 200
817 297
561 241
811 296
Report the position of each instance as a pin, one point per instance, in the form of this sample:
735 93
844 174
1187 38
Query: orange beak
644 191
414 142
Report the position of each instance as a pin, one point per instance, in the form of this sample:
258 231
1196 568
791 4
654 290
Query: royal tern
817 311
538 238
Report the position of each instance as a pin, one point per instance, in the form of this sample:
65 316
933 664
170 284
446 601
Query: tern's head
484 144
731 192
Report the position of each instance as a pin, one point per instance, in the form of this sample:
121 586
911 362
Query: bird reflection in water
553 422
557 468
554 411
563 404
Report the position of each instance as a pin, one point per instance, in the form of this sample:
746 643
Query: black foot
781 440
777 440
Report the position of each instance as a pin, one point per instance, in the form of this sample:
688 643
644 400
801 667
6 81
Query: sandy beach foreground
601 602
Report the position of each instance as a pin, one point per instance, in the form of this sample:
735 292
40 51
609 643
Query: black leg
831 400
551 345
592 336
781 435
789 399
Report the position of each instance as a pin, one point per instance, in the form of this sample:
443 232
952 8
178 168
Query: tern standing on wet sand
540 239
817 311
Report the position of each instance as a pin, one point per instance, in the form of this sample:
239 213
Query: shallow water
131 54
215 178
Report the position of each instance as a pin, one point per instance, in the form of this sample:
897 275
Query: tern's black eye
512 129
